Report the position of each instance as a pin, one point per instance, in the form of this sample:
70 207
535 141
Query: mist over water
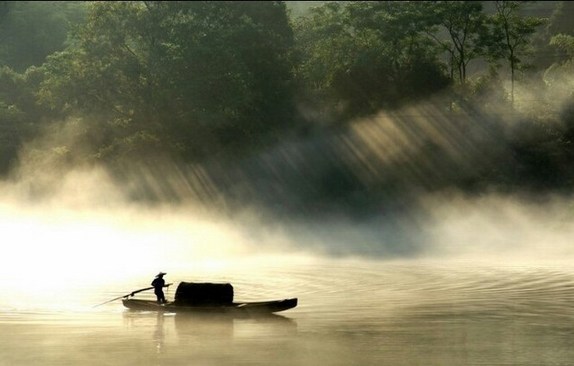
93 238
389 188
378 229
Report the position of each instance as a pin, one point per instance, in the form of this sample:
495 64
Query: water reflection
366 314
201 327
197 333
207 326
158 335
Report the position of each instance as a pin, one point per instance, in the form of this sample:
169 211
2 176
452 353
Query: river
350 312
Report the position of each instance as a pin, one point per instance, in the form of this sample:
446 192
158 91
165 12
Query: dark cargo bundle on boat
189 293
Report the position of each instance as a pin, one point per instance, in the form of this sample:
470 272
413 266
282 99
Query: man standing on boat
158 284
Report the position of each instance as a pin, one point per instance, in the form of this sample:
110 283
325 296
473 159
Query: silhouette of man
158 284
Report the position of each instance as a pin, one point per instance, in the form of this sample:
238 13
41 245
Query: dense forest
318 107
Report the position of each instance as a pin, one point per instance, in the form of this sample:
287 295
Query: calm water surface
349 313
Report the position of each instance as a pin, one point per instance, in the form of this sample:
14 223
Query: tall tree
459 28
515 31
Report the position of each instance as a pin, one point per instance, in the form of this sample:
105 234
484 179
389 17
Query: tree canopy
185 76
202 81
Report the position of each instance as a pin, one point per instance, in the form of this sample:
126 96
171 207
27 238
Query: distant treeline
202 81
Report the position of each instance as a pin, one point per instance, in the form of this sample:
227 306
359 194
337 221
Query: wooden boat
241 308
208 298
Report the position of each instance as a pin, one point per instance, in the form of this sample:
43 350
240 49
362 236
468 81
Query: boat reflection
159 334
202 327
222 325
